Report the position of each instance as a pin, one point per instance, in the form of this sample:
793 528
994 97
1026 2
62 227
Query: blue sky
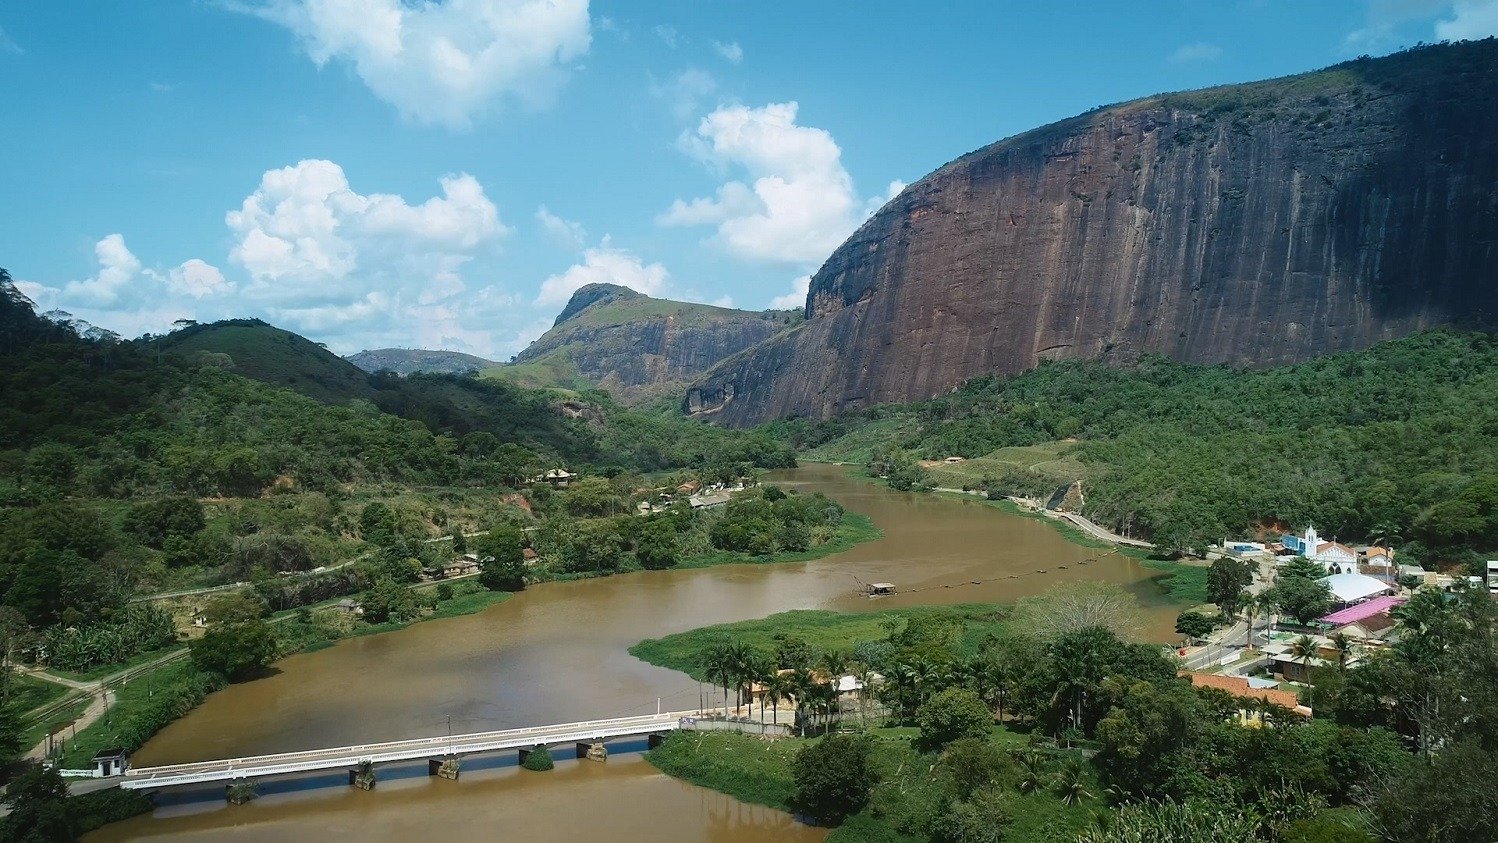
382 173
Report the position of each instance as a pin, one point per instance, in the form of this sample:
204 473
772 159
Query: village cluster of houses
1364 582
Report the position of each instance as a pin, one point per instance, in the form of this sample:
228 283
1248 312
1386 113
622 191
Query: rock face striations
638 347
1256 224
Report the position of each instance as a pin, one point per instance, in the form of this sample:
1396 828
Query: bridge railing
331 756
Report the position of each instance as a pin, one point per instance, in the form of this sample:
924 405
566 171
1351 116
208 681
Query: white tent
1350 588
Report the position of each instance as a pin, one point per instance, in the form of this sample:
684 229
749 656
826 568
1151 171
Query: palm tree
1344 647
740 657
865 675
718 664
801 684
1252 604
1032 772
1071 784
778 688
900 687
1303 648
1383 535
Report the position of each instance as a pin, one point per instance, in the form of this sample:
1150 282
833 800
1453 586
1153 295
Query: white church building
1335 557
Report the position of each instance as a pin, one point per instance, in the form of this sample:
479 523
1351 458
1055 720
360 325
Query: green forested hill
1403 436
103 444
268 354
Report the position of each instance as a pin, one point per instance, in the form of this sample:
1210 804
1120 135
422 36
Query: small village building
709 500
348 606
953 460
1249 688
1369 623
1294 668
1352 588
557 478
111 762
464 565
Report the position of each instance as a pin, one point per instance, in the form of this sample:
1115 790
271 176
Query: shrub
833 777
951 715
538 760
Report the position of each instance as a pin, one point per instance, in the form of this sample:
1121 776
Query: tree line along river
558 652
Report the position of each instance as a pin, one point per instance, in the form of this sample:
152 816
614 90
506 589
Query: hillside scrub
1400 434
1104 716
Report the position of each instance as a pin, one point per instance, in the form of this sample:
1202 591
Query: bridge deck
407 750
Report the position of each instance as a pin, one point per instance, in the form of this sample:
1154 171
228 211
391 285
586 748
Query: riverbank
150 701
914 792
821 631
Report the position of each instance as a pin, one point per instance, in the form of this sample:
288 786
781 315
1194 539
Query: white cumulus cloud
305 222
564 232
358 267
604 264
731 52
796 202
796 298
129 296
118 266
1469 20
441 63
197 279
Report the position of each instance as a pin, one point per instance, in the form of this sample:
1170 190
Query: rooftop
1239 686
1349 588
1353 614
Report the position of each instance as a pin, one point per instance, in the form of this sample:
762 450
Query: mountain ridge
409 361
634 346
1255 224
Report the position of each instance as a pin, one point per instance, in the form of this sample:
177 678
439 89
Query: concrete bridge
440 752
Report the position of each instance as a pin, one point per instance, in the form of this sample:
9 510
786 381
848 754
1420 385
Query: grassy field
141 701
28 692
821 629
104 670
908 794
1053 462
36 732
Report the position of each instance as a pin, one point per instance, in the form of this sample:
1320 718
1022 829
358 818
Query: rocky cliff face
638 347
1250 225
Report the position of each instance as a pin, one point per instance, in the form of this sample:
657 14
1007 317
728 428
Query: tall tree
1226 580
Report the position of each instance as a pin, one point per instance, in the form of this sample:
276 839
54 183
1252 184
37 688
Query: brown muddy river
559 652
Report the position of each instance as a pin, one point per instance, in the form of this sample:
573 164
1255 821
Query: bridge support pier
655 739
362 776
592 750
239 792
445 768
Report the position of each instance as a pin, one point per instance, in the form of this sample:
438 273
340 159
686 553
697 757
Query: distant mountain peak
591 294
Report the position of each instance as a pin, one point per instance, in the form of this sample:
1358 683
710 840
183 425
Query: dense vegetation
237 452
1401 437
1398 749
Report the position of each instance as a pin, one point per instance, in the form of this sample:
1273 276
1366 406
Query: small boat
879 589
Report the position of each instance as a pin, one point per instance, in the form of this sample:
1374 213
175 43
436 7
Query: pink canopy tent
1353 614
